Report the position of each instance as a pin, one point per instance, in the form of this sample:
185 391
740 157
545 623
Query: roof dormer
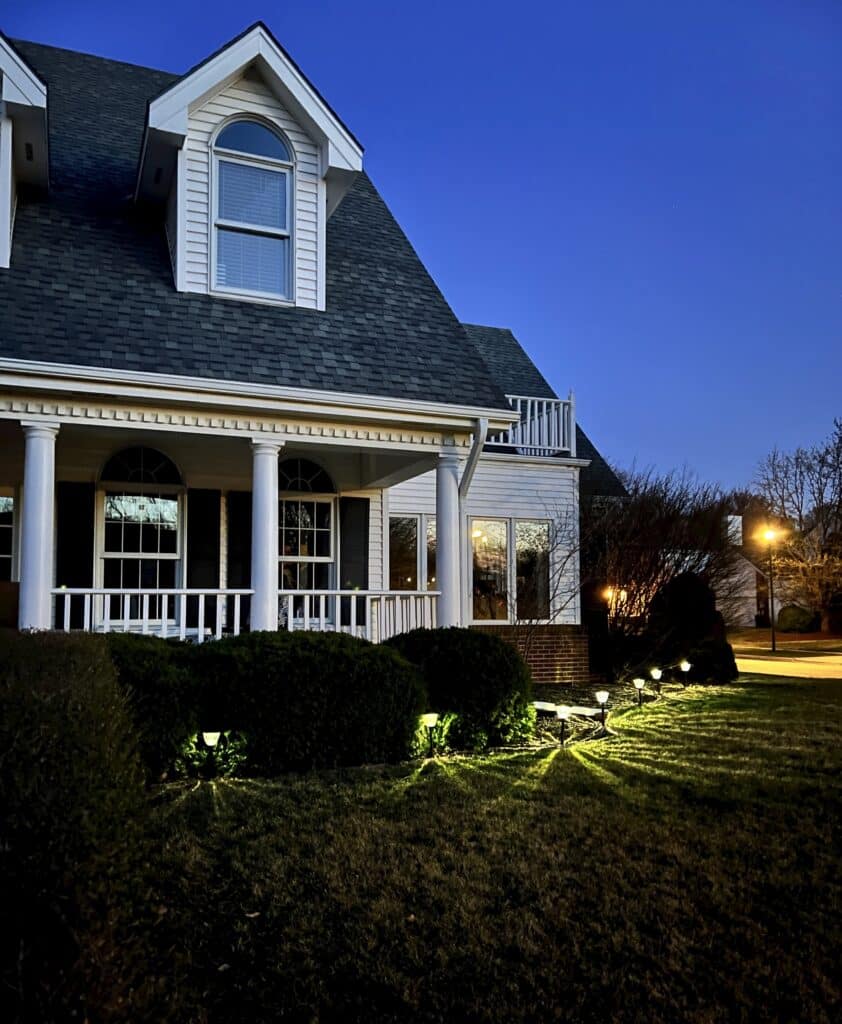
246 218
23 137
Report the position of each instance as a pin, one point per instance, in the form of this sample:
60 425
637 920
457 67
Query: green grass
685 870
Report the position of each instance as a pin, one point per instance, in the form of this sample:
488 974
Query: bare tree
803 489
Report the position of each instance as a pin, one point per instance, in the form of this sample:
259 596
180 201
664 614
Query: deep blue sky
649 193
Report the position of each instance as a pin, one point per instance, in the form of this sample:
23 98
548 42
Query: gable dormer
23 138
251 163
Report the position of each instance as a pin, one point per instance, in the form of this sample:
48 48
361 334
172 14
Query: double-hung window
412 552
252 212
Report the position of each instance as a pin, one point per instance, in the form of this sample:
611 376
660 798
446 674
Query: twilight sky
649 193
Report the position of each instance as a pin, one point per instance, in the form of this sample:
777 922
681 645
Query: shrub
477 676
72 809
309 700
164 696
712 661
792 619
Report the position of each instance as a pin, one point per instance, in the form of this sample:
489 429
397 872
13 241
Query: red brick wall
556 654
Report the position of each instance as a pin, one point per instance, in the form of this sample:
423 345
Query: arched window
140 544
252 211
306 540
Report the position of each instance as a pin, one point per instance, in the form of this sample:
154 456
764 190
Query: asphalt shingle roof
516 374
90 280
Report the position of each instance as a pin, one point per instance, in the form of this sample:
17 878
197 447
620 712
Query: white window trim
280 167
511 571
100 554
421 554
333 499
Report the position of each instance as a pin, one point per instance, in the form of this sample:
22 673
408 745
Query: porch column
264 535
447 540
36 556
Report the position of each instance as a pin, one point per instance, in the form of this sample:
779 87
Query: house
232 397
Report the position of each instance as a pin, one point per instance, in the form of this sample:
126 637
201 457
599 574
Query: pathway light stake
685 667
430 721
638 685
656 674
562 713
210 740
602 699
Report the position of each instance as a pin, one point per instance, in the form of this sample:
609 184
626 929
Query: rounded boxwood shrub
310 700
792 619
712 661
72 852
478 677
163 689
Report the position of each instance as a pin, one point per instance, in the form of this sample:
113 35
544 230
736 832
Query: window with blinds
253 246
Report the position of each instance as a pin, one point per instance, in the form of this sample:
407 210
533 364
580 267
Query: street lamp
602 700
770 536
638 685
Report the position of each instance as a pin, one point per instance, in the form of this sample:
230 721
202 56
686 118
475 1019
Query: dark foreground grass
686 870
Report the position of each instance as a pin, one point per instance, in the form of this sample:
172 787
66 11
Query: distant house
232 397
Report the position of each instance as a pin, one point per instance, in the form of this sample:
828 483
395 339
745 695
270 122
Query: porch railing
373 615
547 426
184 612
199 615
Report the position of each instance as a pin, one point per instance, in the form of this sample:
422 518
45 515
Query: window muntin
489 542
252 229
306 530
7 536
140 466
532 569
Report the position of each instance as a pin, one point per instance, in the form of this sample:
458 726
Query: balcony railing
547 426
200 615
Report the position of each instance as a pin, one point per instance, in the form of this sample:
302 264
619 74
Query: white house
231 396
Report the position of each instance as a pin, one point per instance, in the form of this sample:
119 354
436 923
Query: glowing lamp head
608 593
656 674
211 739
563 712
639 683
602 696
684 665
430 720
769 535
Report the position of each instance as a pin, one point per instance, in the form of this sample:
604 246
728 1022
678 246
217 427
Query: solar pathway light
638 685
562 714
602 700
685 667
656 674
210 739
430 721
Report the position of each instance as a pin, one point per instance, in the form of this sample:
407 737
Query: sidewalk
789 663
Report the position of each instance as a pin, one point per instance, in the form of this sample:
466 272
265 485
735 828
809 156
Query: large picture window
510 570
252 220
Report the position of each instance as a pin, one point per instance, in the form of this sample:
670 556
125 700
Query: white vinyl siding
508 489
244 97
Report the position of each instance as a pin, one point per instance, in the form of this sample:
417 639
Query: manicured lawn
686 870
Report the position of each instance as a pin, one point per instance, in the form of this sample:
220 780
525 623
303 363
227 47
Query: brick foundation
555 654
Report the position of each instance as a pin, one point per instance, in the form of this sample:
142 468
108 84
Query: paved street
818 666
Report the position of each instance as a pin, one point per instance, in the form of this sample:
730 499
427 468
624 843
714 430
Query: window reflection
532 549
490 569
403 553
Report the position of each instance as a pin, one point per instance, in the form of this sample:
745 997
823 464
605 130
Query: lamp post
430 721
638 685
211 740
602 700
770 536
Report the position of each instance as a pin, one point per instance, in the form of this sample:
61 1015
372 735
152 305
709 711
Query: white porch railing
372 615
547 426
182 613
199 615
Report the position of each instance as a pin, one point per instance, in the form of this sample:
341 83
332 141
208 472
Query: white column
447 540
264 535
36 557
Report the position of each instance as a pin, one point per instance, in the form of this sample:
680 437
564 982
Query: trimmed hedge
479 678
310 700
711 661
792 619
72 848
164 696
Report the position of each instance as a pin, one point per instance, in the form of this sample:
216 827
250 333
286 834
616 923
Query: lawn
686 869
